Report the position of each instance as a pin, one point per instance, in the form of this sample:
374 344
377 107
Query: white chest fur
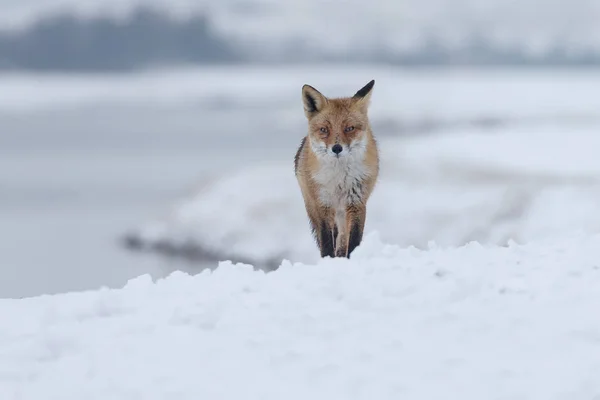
341 179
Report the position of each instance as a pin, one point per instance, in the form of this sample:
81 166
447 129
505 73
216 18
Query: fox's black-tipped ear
313 100
363 96
365 90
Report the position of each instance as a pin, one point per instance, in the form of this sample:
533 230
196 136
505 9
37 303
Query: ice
472 322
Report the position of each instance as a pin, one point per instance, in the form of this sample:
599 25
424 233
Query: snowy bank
519 184
403 94
475 322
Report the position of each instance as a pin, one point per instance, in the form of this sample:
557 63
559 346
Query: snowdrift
519 184
473 322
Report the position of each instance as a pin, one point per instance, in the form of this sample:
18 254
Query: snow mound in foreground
476 322
520 184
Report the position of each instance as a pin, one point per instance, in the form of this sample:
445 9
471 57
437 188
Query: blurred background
150 136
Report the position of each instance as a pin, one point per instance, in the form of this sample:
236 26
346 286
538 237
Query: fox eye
323 130
349 129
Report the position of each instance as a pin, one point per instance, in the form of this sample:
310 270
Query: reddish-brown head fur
332 121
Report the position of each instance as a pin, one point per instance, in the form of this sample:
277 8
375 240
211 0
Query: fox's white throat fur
339 178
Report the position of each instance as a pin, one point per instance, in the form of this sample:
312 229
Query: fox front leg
324 227
341 242
355 225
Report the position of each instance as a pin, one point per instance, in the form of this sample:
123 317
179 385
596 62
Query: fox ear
313 100
363 96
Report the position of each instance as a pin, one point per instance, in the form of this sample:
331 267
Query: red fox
337 165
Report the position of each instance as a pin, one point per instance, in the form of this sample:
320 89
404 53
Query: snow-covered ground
475 322
82 159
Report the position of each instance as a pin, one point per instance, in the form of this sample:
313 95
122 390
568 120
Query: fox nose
337 148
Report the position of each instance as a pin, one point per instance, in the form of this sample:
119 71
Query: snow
521 183
479 322
447 95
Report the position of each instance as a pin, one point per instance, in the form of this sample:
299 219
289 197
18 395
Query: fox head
337 127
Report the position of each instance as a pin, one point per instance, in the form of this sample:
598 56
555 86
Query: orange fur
337 165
